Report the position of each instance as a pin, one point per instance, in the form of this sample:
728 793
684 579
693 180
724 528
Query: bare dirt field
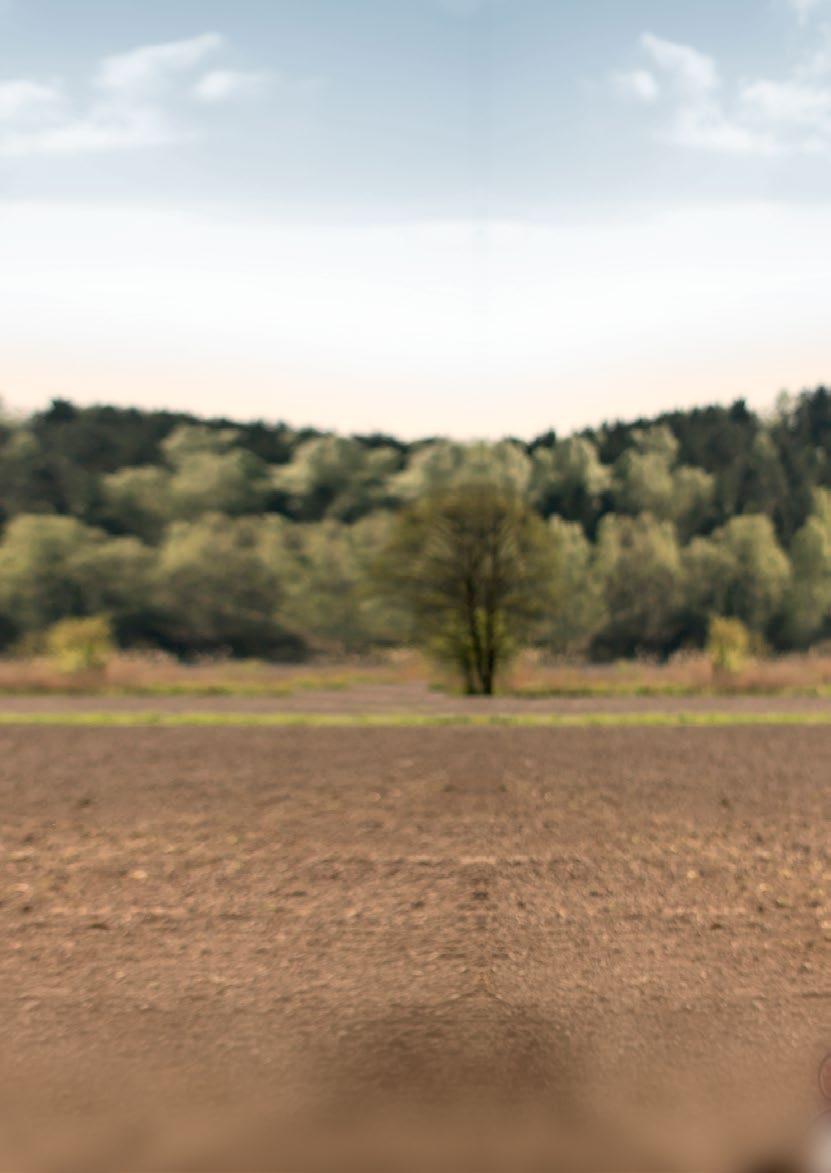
595 920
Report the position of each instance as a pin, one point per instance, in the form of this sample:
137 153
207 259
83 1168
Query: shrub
8 632
728 645
81 644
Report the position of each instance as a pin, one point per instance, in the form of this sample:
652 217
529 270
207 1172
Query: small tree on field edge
474 568
79 645
728 645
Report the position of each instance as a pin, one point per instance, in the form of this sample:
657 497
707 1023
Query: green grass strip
141 718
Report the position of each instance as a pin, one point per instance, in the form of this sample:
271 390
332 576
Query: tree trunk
476 650
489 652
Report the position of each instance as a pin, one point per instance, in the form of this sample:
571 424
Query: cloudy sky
474 217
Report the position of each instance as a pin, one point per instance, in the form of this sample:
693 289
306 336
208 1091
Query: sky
468 217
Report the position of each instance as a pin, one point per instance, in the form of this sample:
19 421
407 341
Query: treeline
254 539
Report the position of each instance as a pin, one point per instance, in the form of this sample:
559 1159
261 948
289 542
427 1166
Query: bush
218 588
8 632
81 644
728 645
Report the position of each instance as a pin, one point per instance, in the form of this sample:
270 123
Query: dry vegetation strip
795 676
283 720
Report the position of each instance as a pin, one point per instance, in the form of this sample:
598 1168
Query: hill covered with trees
255 539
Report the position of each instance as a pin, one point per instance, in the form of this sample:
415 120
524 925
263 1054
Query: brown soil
571 918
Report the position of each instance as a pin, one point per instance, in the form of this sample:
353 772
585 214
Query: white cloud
692 71
639 84
145 67
699 119
101 130
222 84
707 128
758 116
789 103
140 100
20 97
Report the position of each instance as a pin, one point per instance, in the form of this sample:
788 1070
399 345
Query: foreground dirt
570 917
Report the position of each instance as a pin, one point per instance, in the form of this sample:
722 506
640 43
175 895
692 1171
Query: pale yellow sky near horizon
415 328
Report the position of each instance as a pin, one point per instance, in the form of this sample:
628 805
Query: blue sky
467 216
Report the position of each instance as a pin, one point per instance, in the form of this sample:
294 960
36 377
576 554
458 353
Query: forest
210 537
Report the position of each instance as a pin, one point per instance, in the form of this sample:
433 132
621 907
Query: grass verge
148 718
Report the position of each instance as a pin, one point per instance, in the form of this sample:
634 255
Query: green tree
474 567
759 570
708 569
323 592
218 592
37 585
579 610
808 602
763 486
204 472
694 493
569 480
211 474
648 480
643 474
53 568
741 572
136 500
639 562
442 464
336 477
115 576
26 482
